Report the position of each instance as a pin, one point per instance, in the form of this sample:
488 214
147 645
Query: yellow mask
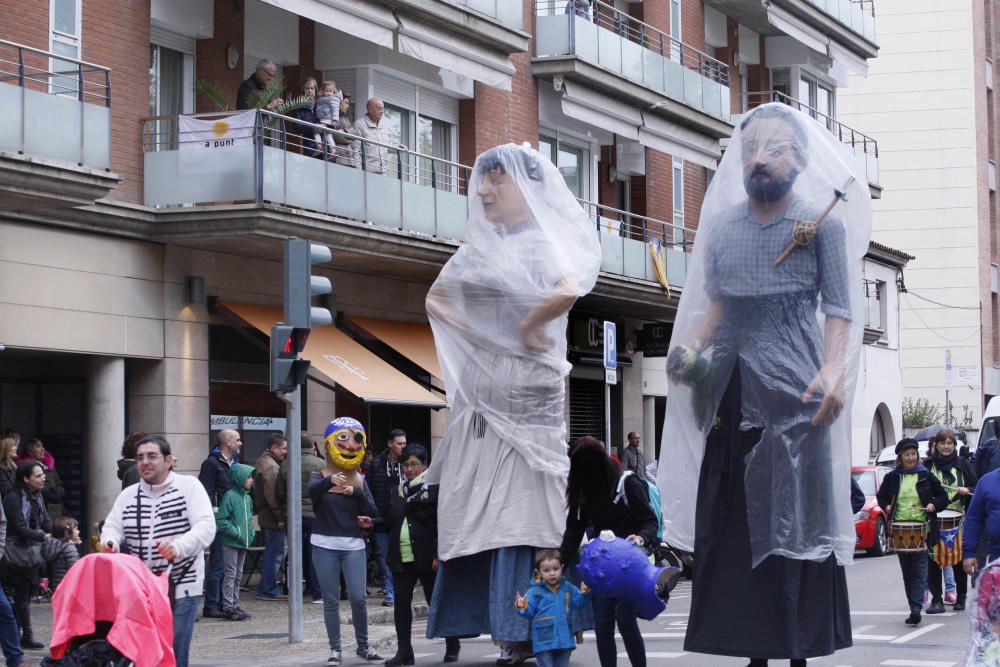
343 435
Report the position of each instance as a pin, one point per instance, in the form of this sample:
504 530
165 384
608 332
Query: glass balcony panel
343 185
727 105
587 38
552 35
452 213
653 72
382 194
418 208
304 178
675 79
632 60
712 97
180 177
692 87
635 254
676 267
52 126
872 169
96 136
868 29
609 50
10 128
274 175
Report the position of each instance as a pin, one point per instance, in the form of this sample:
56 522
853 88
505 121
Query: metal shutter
586 410
171 40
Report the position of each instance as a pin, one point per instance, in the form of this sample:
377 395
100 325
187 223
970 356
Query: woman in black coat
28 523
306 114
912 493
958 476
412 553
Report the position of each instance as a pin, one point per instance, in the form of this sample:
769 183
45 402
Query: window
991 175
877 439
994 278
425 135
675 29
678 199
64 24
817 96
989 74
571 161
875 313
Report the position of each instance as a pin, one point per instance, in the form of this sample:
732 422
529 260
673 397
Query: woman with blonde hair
8 465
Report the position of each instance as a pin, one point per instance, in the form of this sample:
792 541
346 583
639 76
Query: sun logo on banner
220 128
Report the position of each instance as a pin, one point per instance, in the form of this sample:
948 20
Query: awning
413 340
367 21
601 111
345 362
798 30
667 137
450 52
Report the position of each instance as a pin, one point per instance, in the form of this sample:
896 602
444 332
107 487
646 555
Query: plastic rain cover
984 621
498 310
793 322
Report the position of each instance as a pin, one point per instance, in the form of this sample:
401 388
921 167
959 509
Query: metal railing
59 106
633 30
617 222
507 12
866 6
846 135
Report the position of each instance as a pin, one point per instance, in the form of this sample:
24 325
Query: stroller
111 611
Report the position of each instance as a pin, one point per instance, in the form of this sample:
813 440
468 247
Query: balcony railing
506 12
54 107
275 159
605 36
865 148
858 15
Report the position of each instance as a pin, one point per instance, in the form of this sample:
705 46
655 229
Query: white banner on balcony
601 111
200 134
667 137
451 52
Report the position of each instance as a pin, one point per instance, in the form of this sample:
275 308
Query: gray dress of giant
767 349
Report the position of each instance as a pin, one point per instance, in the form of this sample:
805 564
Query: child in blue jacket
548 604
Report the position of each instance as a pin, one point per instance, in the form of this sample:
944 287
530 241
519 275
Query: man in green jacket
311 460
234 524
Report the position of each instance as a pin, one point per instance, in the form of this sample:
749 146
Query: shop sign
654 339
275 424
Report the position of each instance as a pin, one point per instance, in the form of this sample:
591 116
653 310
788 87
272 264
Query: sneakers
950 597
317 601
334 658
237 615
388 602
959 604
511 654
937 607
913 618
369 654
272 598
212 612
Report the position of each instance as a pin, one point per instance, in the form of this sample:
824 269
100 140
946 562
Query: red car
871 524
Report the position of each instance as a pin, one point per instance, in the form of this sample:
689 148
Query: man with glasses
257 81
166 520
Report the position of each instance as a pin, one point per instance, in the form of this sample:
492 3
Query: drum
949 519
908 536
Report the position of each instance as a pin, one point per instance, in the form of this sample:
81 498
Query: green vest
957 503
405 547
908 507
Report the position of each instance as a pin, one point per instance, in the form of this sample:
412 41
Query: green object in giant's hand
692 367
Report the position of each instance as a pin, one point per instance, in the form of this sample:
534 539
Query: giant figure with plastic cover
498 310
761 366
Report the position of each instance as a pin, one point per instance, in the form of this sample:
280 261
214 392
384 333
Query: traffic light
301 286
287 370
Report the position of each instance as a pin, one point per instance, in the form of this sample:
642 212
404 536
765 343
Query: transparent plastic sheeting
793 327
498 310
984 619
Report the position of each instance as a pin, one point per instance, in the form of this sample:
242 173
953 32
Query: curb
384 615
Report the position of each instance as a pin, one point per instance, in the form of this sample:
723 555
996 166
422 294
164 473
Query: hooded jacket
549 611
214 475
234 520
128 472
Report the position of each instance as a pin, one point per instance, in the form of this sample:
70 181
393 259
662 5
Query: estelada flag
948 550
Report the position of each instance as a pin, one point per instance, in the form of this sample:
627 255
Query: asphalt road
878 608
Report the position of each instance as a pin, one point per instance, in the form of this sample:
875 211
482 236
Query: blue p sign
610 346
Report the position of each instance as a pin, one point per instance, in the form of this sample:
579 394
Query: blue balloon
618 568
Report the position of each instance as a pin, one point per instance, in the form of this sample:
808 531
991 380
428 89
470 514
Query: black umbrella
929 432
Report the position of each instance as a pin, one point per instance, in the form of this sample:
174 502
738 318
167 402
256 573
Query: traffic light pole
293 426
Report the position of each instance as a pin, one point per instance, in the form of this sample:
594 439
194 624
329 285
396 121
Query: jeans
312 581
274 553
402 611
556 658
914 568
185 614
382 542
934 575
9 641
329 564
232 570
949 578
606 612
213 575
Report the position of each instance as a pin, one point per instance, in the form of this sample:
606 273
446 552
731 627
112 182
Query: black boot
23 614
937 606
452 648
757 662
913 618
402 657
797 662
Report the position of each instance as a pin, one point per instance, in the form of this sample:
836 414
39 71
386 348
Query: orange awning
344 361
411 339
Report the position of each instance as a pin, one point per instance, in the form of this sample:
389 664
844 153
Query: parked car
871 525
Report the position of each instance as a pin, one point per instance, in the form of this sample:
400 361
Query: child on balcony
328 113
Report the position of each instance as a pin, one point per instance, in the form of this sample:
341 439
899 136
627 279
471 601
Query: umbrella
929 432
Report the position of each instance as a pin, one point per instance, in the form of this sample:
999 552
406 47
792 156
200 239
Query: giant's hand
533 337
829 381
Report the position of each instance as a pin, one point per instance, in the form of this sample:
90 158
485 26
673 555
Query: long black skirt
783 608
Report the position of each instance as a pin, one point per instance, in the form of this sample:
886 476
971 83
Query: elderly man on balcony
262 76
371 127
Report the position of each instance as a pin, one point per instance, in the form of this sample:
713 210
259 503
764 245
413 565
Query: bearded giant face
773 157
345 442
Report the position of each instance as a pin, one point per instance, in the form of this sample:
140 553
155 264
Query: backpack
654 500
94 653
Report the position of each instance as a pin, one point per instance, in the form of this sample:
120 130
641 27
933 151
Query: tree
258 99
920 412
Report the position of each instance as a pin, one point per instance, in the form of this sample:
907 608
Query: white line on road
657 655
891 612
917 633
918 663
645 635
873 638
863 628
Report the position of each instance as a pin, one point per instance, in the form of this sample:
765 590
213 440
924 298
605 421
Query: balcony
496 24
608 50
858 15
863 148
219 176
55 140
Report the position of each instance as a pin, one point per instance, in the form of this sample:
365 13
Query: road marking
873 638
863 628
893 612
918 663
645 635
656 655
917 633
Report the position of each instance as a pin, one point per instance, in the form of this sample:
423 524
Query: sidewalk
263 639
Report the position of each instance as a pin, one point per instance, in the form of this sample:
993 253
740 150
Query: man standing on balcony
763 360
256 82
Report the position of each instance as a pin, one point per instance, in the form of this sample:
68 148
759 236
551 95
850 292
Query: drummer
910 493
959 478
